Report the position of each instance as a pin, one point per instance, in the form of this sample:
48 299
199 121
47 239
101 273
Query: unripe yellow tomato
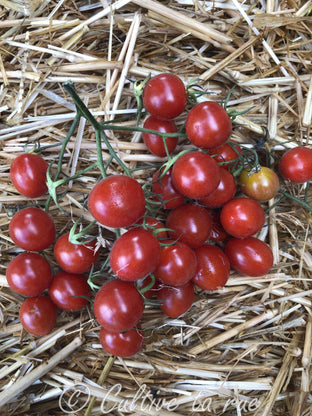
260 183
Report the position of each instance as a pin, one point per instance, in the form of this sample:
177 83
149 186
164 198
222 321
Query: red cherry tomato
32 229
213 267
224 192
261 184
164 96
38 315
191 224
242 217
177 264
28 175
195 174
227 155
69 291
29 274
117 201
175 301
208 125
154 226
296 164
164 190
74 258
118 306
135 254
122 344
249 256
155 143
217 232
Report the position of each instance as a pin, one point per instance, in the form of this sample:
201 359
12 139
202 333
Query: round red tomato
208 125
155 143
32 229
164 191
213 267
74 258
38 315
217 232
122 344
135 254
195 174
249 256
261 184
69 291
117 201
242 217
224 192
118 306
175 301
164 96
227 155
28 175
177 264
296 164
29 274
190 223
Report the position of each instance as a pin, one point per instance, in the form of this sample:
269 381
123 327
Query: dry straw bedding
242 350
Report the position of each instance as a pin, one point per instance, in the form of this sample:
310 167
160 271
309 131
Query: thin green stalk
299 201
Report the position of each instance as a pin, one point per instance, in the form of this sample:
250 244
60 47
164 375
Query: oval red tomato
122 344
296 164
164 191
261 184
155 143
224 192
38 315
227 154
175 301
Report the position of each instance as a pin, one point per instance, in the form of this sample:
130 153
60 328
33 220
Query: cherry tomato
195 174
175 301
117 201
213 267
249 256
162 185
155 143
69 291
217 232
29 274
38 315
242 217
224 192
164 96
296 164
261 184
227 155
190 223
135 254
122 344
118 306
74 258
177 264
32 229
154 226
28 175
208 125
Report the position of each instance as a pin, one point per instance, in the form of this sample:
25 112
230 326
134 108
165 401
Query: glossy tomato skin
28 175
224 192
242 217
213 267
164 191
249 256
177 264
296 164
122 344
164 96
208 125
191 224
155 143
32 229
227 155
69 291
195 174
38 315
74 258
175 301
261 185
117 201
29 274
135 254
217 232
118 306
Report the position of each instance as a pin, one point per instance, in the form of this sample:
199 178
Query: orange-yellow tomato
261 184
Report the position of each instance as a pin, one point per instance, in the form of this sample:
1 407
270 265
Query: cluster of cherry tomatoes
209 211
